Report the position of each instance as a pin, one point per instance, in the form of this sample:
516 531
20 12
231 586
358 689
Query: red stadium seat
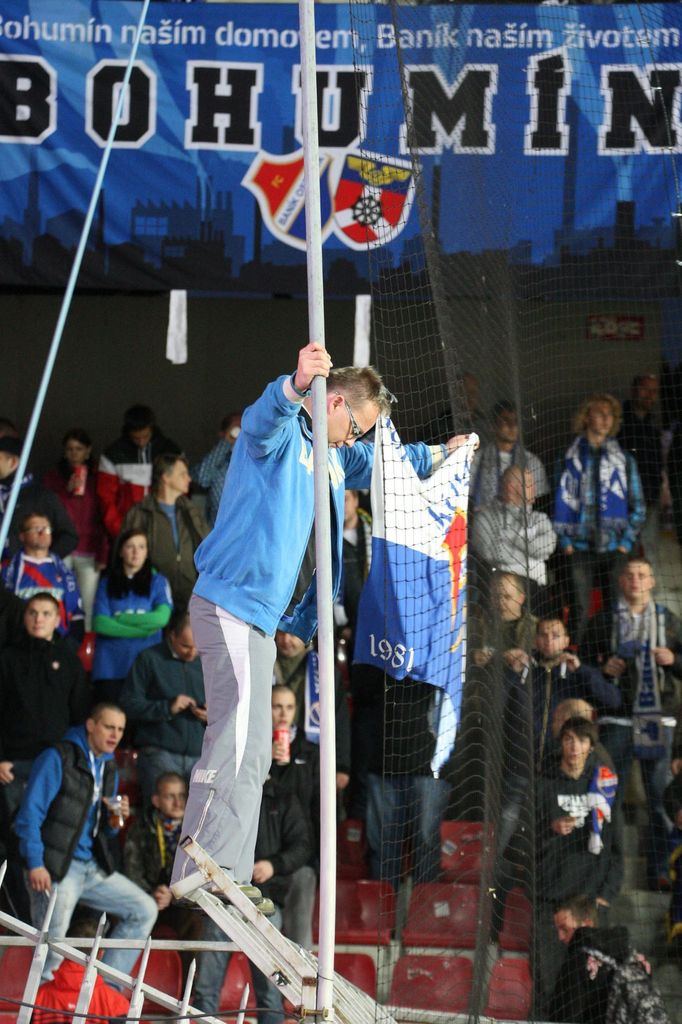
86 651
164 971
365 912
510 990
443 915
516 927
461 851
237 975
351 849
358 968
438 983
14 965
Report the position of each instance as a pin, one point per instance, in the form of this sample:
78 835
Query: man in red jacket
60 995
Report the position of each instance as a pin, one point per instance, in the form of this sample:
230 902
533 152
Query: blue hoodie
43 785
250 562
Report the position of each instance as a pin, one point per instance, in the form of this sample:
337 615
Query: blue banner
539 130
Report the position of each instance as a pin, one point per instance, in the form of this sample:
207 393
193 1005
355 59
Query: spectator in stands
125 467
60 996
43 692
210 472
32 498
509 633
509 535
296 667
503 451
282 846
599 506
641 435
639 646
37 569
150 845
63 828
173 524
599 965
164 699
575 824
295 769
133 604
407 792
74 481
556 674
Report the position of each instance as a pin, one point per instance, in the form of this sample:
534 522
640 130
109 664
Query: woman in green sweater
132 605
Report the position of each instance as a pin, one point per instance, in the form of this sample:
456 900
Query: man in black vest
63 825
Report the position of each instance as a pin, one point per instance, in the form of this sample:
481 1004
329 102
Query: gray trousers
226 784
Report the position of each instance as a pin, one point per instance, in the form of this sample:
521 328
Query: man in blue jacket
248 569
63 828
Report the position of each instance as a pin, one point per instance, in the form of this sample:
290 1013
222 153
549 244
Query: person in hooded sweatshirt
63 826
43 691
576 820
587 989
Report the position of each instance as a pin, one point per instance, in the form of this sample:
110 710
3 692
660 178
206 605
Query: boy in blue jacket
248 569
63 827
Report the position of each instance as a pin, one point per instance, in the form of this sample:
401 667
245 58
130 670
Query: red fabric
116 497
62 994
85 512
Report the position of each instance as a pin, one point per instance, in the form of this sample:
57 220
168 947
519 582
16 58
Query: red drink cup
283 736
79 477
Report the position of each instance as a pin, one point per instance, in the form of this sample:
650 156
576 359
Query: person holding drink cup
64 828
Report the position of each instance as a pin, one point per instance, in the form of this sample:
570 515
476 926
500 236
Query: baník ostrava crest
365 198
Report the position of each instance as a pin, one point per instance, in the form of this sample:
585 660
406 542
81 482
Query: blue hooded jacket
250 562
43 785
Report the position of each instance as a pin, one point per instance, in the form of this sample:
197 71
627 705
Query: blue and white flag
412 613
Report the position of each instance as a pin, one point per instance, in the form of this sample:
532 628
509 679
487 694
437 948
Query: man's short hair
634 559
163 464
11 445
101 706
580 419
504 405
582 908
226 420
178 620
551 618
43 595
169 777
137 417
639 379
32 515
581 727
360 384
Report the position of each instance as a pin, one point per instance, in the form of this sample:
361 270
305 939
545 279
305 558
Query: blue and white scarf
637 643
576 493
601 794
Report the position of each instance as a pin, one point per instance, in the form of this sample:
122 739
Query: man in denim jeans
63 828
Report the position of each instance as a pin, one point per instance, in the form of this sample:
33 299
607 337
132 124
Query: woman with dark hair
74 481
132 606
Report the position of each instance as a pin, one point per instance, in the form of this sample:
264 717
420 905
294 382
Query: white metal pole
309 123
